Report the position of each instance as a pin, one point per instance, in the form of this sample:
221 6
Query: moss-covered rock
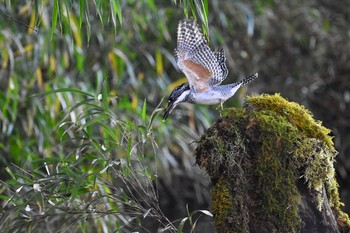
256 158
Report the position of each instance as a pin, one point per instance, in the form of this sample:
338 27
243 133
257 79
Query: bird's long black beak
168 110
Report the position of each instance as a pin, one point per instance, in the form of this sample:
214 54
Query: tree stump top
271 165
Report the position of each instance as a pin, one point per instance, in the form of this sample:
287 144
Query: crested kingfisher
203 68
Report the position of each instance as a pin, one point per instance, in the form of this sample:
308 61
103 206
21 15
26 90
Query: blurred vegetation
81 139
83 148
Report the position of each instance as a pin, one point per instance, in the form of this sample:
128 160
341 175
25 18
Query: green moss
287 144
275 174
294 113
221 204
308 141
228 207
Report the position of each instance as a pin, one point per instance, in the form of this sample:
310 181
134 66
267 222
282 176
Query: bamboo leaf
119 11
129 150
81 10
143 114
155 113
95 120
87 21
105 89
110 132
181 225
54 17
159 62
70 90
116 11
193 9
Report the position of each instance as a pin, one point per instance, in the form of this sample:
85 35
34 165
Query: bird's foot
220 108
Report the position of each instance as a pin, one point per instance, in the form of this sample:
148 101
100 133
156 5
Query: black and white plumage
195 59
203 68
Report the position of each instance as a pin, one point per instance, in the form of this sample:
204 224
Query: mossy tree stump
271 165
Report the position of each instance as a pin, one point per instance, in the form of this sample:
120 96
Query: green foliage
81 182
79 113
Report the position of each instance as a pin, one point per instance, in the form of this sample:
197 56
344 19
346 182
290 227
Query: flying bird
203 68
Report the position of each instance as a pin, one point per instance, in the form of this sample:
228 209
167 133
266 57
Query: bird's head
177 96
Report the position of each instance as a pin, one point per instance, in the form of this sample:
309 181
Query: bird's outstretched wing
221 58
202 67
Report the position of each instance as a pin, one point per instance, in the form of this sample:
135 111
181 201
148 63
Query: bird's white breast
214 95
208 98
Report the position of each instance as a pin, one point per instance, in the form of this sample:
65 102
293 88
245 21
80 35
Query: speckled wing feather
221 58
196 60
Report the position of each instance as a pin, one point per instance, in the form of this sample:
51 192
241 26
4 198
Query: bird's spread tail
249 79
